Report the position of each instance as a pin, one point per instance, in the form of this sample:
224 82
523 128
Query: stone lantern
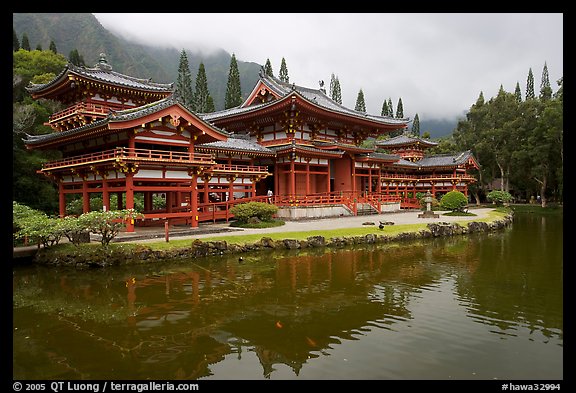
428 212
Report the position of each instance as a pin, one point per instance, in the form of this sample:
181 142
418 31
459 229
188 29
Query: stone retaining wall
100 257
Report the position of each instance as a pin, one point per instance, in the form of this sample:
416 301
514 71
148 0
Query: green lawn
389 230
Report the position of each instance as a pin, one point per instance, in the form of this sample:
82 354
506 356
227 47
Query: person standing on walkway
270 193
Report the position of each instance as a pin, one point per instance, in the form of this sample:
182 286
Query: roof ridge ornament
103 63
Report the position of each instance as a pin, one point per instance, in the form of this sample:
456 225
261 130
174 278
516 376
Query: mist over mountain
82 31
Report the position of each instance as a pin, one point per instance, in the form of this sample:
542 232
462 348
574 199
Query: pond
482 306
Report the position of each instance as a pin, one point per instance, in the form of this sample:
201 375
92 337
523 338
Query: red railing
81 107
238 168
398 177
130 154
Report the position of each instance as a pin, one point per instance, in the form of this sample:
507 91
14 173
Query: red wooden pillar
370 180
85 197
148 205
206 188
61 199
130 199
353 163
379 181
194 200
276 180
105 196
292 179
253 179
328 176
308 178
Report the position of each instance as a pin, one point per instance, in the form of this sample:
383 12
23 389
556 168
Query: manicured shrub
263 211
454 200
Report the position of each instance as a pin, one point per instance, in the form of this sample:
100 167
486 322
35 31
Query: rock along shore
141 253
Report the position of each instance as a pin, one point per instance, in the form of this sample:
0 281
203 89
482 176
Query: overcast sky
437 63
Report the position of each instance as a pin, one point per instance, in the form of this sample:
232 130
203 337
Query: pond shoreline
139 253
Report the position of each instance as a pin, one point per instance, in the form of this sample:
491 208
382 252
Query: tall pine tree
390 107
201 94
283 74
518 93
545 89
385 111
233 90
360 103
184 81
39 47
53 47
400 109
530 86
268 68
416 125
332 82
75 58
15 41
25 42
337 93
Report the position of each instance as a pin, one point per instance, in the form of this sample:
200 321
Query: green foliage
360 103
545 89
518 93
201 93
530 86
268 68
454 200
25 42
335 90
390 107
416 125
107 224
76 59
28 64
283 75
263 211
52 47
400 109
499 197
385 111
15 41
233 91
35 225
184 81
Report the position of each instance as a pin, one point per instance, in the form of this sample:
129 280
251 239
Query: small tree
499 198
454 201
107 224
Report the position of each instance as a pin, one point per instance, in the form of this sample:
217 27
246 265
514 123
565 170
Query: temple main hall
133 138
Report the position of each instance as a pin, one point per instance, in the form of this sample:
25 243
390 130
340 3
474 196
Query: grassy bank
390 230
95 251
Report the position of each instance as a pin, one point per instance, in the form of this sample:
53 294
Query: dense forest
517 138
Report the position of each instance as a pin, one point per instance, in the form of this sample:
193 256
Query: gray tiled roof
116 116
104 73
404 140
239 143
306 148
314 96
406 163
317 96
381 156
450 160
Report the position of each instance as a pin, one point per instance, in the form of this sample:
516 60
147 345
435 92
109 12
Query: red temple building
125 136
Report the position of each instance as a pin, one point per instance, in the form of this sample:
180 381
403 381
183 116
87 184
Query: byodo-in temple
125 136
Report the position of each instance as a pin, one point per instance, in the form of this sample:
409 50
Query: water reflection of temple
285 308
